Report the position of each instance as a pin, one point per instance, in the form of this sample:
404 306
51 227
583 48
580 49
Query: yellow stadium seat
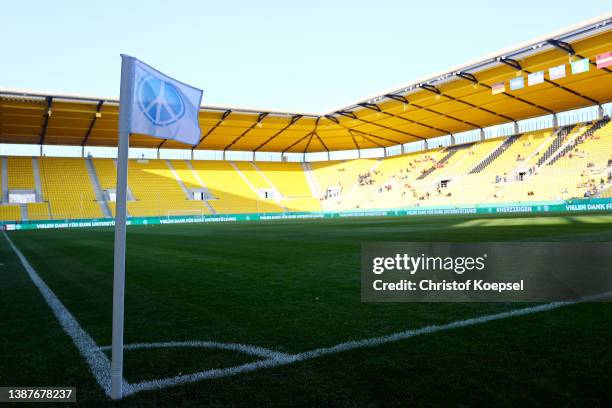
67 187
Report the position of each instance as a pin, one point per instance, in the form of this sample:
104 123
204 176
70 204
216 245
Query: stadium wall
569 206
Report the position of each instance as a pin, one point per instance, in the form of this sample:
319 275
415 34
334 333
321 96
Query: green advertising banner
577 205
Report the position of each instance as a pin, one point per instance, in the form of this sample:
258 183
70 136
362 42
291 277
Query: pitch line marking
352 345
100 365
241 348
97 360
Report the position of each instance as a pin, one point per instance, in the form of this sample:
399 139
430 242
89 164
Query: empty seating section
20 173
157 192
573 161
232 194
252 175
10 213
107 173
290 181
107 177
186 174
20 177
288 178
38 211
67 187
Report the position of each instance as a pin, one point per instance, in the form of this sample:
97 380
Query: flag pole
125 107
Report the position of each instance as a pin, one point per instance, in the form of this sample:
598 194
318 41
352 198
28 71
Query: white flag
557 72
535 78
161 106
580 66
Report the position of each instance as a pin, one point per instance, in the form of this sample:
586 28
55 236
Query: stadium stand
106 172
495 154
20 173
550 164
157 192
9 213
39 211
290 181
445 161
186 174
560 137
511 173
232 194
67 188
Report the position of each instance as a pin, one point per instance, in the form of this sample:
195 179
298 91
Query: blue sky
297 56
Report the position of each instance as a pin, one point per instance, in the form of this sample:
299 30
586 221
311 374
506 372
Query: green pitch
290 287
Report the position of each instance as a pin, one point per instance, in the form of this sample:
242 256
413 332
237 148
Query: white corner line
99 363
352 345
242 348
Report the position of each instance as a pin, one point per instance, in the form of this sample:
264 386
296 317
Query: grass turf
293 286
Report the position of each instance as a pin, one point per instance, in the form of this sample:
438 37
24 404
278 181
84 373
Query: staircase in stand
562 134
495 154
450 152
580 139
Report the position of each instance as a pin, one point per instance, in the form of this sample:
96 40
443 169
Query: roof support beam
308 143
467 76
333 119
475 126
452 98
93 123
355 141
396 97
260 117
371 106
353 116
377 108
219 123
322 143
365 133
296 142
431 88
373 141
562 45
294 119
511 63
373 136
43 133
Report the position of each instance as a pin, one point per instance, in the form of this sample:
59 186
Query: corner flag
150 103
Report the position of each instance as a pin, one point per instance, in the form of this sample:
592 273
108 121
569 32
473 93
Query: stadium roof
458 100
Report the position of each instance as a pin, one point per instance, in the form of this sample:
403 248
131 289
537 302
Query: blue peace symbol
160 101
